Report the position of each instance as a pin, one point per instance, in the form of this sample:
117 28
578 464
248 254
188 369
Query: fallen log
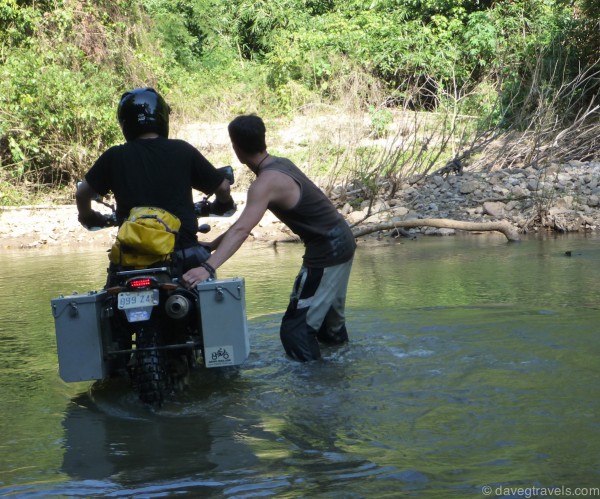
508 230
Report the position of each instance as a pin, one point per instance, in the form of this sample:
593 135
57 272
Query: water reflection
129 449
471 362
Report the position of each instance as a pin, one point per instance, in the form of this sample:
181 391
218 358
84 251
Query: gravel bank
563 198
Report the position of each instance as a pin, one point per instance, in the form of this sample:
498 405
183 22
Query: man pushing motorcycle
316 309
150 169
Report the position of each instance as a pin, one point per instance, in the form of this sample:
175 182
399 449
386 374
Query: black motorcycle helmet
143 110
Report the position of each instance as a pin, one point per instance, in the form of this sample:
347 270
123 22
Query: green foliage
254 24
57 112
583 31
55 119
381 118
534 55
480 38
17 24
178 29
216 58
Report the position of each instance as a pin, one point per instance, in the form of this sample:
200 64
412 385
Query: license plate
137 299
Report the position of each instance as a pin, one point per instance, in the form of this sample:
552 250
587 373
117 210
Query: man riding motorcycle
150 169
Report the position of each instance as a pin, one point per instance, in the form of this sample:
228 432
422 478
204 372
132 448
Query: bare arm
226 245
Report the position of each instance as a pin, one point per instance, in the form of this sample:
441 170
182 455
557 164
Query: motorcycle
146 326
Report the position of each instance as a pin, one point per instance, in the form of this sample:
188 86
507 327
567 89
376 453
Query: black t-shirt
156 172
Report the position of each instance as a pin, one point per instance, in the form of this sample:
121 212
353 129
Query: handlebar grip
202 208
111 220
228 172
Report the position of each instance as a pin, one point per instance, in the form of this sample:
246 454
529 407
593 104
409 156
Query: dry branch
508 230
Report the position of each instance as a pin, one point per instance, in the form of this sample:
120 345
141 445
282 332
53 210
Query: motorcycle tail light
142 282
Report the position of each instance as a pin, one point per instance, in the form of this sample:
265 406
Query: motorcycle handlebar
202 208
228 171
111 220
205 208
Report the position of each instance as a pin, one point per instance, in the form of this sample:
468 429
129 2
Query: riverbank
562 198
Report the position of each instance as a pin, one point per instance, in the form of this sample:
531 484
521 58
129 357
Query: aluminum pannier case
222 306
82 328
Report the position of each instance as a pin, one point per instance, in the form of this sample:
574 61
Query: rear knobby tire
151 379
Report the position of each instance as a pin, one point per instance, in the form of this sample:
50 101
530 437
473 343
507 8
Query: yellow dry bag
146 237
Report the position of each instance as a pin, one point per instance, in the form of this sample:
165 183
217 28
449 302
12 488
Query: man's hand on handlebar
222 209
206 208
223 205
94 220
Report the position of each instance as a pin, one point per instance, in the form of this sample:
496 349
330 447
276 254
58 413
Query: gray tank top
327 238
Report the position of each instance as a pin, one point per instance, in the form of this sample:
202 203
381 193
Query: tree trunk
508 230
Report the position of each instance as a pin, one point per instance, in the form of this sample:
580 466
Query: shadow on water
469 365
270 428
440 398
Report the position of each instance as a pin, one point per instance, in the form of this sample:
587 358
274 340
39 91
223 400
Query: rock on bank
562 198
559 198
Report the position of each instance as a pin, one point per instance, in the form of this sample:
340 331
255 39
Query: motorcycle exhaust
177 306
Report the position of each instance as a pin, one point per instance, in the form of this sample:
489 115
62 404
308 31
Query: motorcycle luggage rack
156 270
189 345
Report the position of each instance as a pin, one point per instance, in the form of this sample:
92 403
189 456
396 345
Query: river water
473 362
